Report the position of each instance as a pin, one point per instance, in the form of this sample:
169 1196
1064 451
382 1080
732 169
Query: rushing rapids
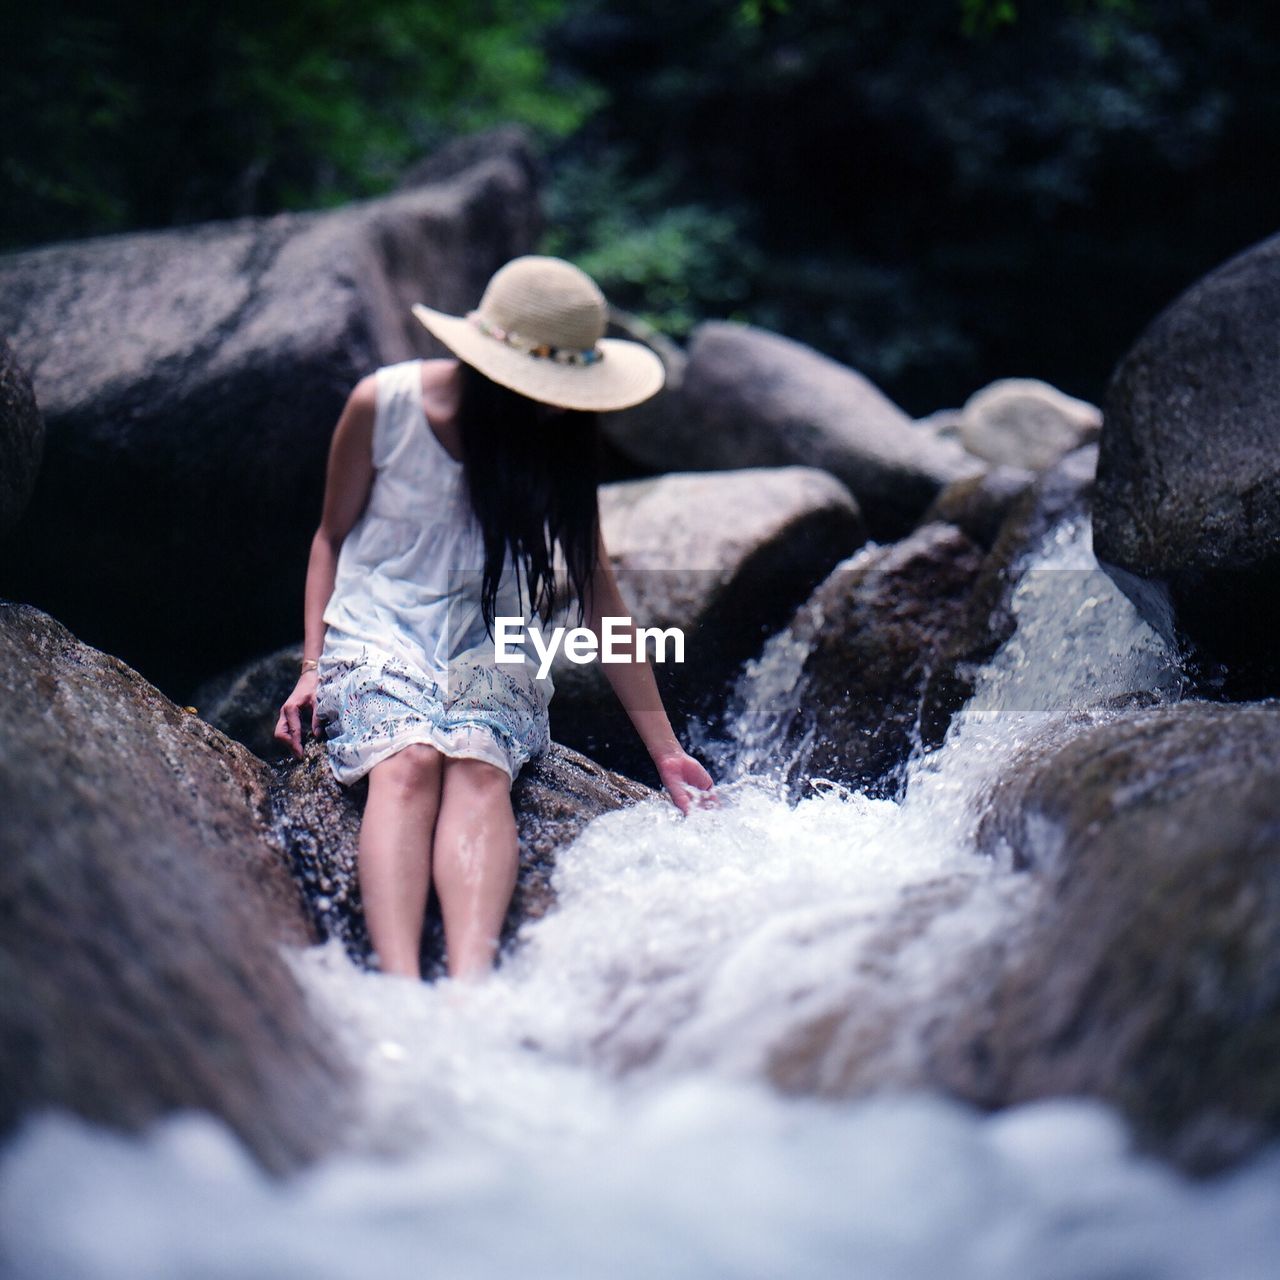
622 1096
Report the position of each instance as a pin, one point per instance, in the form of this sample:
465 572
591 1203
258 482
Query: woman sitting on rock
452 485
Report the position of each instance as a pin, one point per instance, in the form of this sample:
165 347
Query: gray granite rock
986 618
1128 951
1149 973
190 381
1187 513
752 398
978 504
863 647
554 797
21 439
145 894
727 556
643 436
1026 423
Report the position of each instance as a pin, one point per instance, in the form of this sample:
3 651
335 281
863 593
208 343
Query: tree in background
142 114
939 193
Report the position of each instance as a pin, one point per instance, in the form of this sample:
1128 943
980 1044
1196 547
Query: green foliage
138 114
938 208
938 193
671 263
986 15
752 12
982 17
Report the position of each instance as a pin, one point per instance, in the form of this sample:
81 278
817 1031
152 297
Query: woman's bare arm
637 690
348 478
347 483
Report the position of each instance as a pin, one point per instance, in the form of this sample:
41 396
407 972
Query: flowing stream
647 1086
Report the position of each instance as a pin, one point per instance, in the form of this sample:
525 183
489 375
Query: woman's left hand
688 784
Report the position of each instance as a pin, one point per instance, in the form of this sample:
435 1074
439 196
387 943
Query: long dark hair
532 474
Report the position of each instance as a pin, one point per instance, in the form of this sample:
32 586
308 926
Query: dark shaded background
939 194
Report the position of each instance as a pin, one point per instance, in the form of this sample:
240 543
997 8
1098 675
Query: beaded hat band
548 309
561 355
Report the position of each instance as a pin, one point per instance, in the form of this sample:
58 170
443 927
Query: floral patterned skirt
370 704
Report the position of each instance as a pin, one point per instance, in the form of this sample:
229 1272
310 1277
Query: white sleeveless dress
406 654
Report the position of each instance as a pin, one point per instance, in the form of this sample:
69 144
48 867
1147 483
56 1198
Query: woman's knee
415 767
478 778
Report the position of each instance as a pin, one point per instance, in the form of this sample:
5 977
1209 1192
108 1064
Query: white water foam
608 1102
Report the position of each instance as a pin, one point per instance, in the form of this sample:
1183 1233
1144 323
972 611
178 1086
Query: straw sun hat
539 330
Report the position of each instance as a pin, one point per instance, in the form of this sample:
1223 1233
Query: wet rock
190 381
986 618
1148 974
1026 423
978 504
727 557
864 644
245 703
1133 957
1187 517
554 797
753 398
145 895
21 439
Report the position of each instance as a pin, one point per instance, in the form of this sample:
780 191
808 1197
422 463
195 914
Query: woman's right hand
301 702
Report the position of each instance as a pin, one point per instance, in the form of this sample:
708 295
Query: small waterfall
651 1082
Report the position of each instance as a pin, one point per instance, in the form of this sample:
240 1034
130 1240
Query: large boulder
554 797
1023 422
191 380
641 440
150 868
985 618
837 694
1149 972
1117 937
725 556
1187 514
244 703
145 894
21 439
978 504
752 398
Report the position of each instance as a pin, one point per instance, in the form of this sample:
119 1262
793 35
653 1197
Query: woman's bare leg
476 858
395 854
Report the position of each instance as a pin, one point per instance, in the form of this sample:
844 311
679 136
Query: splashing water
620 1097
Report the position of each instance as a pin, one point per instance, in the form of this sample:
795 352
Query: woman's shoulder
420 375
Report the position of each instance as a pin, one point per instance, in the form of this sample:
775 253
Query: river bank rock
21 439
860 652
1119 940
244 703
145 898
986 618
554 797
726 556
1023 422
1149 973
190 382
1187 516
752 398
978 504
